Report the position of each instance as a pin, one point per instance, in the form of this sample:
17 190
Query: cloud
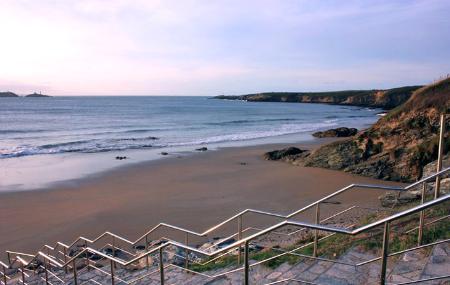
210 47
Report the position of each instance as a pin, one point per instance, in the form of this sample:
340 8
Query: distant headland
386 99
11 94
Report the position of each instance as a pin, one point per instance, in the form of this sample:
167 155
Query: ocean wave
6 132
82 146
286 129
235 122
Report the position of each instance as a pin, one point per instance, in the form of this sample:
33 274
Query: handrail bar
202 234
267 230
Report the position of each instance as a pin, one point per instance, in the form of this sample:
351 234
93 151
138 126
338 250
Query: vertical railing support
146 249
113 264
4 275
439 160
186 261
23 273
239 238
65 259
46 271
9 258
246 264
86 253
384 252
421 216
161 265
316 232
114 247
74 265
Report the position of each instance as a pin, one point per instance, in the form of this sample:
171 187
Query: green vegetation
336 245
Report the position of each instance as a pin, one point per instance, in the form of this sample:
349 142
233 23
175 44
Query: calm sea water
76 136
33 126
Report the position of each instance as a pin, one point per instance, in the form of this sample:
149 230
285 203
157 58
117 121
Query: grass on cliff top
336 245
436 95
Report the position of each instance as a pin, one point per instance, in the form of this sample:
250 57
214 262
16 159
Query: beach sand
193 191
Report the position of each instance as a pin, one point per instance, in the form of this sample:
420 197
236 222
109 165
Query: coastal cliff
399 145
386 99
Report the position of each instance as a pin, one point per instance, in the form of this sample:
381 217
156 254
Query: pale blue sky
220 47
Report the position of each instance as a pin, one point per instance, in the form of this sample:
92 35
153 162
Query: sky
183 47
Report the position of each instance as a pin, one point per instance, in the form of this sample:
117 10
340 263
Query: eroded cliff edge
386 99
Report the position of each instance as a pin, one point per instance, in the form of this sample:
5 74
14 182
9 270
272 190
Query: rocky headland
11 94
398 146
37 95
8 94
386 99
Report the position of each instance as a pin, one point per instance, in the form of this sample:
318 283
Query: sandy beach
192 191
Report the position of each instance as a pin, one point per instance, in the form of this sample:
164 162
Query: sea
82 135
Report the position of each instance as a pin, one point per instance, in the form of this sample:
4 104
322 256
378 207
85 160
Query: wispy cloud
210 47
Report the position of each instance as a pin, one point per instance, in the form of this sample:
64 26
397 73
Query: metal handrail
251 237
241 241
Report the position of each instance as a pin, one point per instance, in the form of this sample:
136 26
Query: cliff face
399 144
386 99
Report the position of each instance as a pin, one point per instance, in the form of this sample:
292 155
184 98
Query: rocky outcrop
37 95
386 99
286 154
338 132
399 145
8 94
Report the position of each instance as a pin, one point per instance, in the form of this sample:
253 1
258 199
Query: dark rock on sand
397 199
121 157
338 132
284 154
164 153
201 149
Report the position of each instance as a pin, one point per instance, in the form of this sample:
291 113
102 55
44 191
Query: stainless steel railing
68 262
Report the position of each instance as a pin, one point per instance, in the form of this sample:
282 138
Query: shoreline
49 171
193 191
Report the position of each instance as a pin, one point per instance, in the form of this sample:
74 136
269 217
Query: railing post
316 232
75 282
114 247
46 272
186 261
86 253
112 272
4 275
161 265
439 161
146 249
384 252
421 216
246 264
23 273
9 258
65 259
239 238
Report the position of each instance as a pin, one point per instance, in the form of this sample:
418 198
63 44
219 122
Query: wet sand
192 191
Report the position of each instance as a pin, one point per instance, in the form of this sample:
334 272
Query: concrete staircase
414 265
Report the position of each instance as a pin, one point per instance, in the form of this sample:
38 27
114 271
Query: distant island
386 99
11 94
8 94
37 95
